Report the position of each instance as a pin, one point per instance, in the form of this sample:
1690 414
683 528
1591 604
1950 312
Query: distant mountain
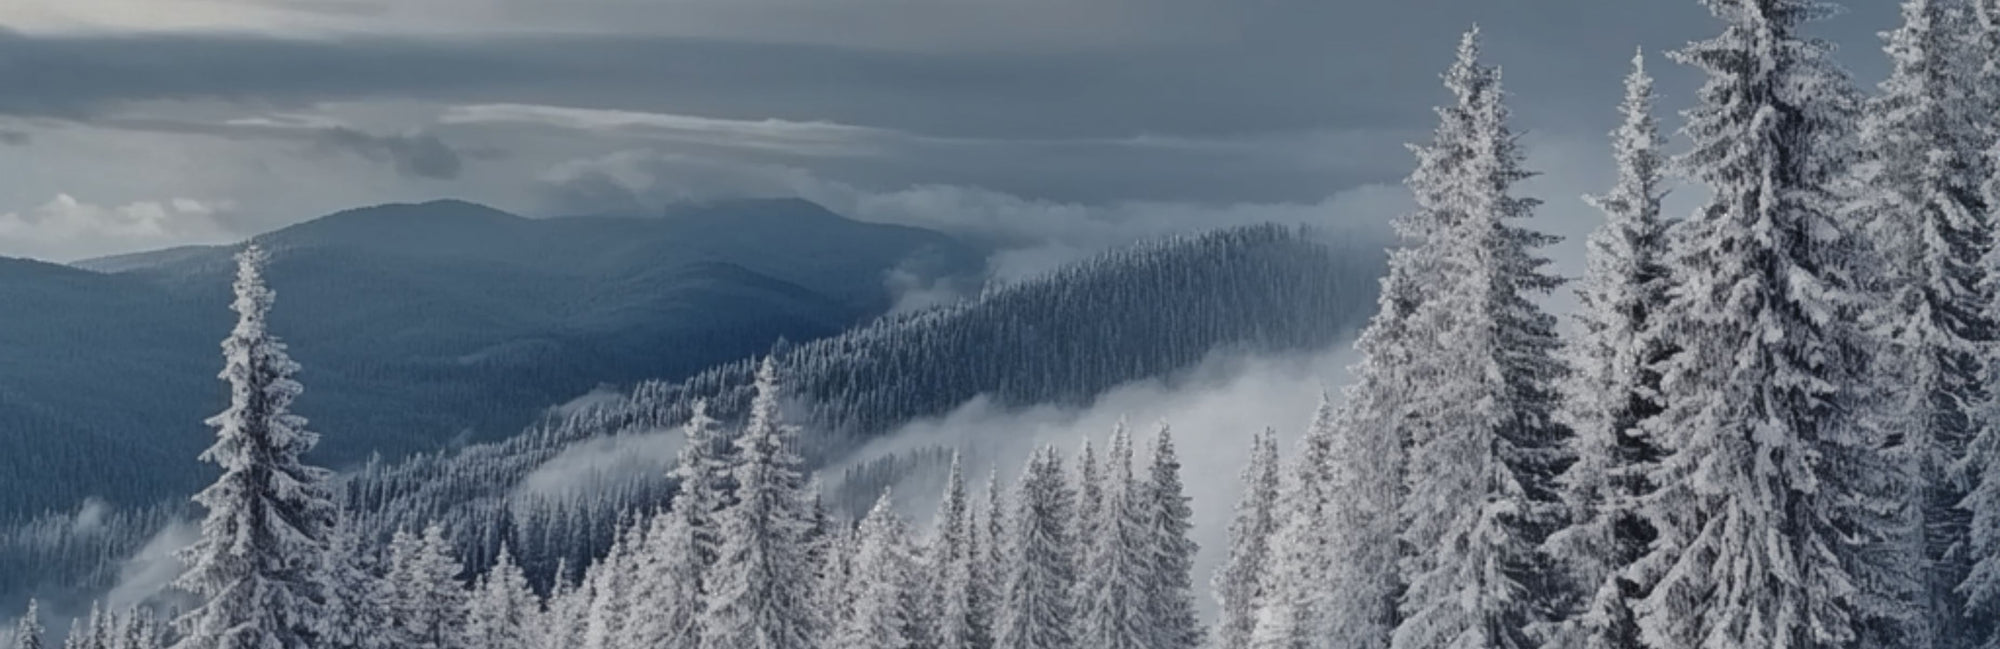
419 325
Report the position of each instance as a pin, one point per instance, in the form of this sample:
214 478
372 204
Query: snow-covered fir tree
357 610
880 585
89 632
989 560
256 570
667 580
427 600
1613 388
759 589
562 621
1238 585
1035 608
1771 505
502 609
1981 463
706 468
1162 502
830 603
28 630
951 593
1296 610
611 583
137 628
1485 449
1116 564
1920 204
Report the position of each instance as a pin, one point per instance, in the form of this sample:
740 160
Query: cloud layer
293 108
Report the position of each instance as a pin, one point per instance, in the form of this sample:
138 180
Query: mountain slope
418 326
1064 338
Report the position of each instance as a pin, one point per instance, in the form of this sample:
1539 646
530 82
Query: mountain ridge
420 324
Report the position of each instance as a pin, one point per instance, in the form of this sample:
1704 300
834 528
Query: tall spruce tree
560 626
1485 450
759 590
427 600
1086 523
1039 570
1614 387
952 592
1981 464
706 468
256 570
1919 201
1112 582
880 585
502 608
356 608
989 561
613 581
832 572
668 581
1162 503
1296 610
1238 584
1771 504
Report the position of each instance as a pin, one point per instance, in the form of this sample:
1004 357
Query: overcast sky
134 124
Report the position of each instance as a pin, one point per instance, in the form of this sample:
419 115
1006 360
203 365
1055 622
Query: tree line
1773 426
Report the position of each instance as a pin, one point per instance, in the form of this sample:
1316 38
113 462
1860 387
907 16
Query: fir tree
831 606
1295 610
1485 451
988 563
28 630
1771 503
1614 388
1039 569
879 587
668 581
563 618
1920 203
501 610
1089 493
136 629
1162 505
1237 586
706 468
1981 463
357 612
1111 607
427 599
760 586
611 586
87 632
953 593
256 568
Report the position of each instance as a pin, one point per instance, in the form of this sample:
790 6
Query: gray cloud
1180 102
413 154
1286 65
418 155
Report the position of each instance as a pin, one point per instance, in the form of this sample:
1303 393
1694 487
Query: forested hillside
1061 338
